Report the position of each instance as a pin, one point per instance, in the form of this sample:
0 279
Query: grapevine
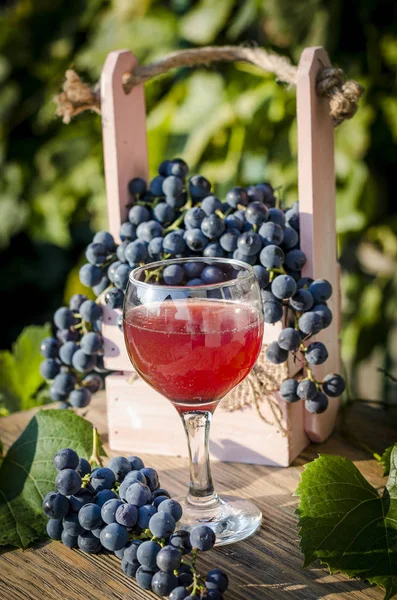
177 216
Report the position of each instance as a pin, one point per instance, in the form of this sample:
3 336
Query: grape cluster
178 216
122 509
73 358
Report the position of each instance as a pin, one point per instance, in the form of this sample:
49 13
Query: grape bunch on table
122 509
178 216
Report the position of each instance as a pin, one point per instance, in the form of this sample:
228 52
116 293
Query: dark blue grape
306 389
288 390
76 301
103 496
173 243
83 362
318 404
181 540
66 459
173 274
64 382
217 580
321 290
169 559
199 187
147 553
179 593
68 482
145 513
283 287
70 541
289 339
185 576
80 398
138 214
271 233
304 282
158 500
49 347
138 493
302 300
122 275
177 167
172 186
114 537
105 238
120 253
262 276
163 168
136 252
127 515
108 510
164 213
316 353
67 335
276 215
162 525
267 193
96 254
149 230
91 343
310 323
136 463
237 195
193 269
93 383
50 368
71 524
137 186
56 395
64 318
156 186
90 311
292 218
211 204
114 298
251 260
89 275
101 286
54 529
256 213
194 217
127 232
144 577
324 312
290 239
212 274
135 476
229 240
194 282
120 467
163 583
214 250
87 542
272 312
102 479
202 537
271 257
155 248
214 595
55 506
176 201
83 468
195 240
212 226
334 385
66 352
90 516
172 507
275 354
249 243
294 260
128 568
130 551
114 266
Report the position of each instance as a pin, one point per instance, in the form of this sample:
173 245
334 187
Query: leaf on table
27 472
346 524
385 460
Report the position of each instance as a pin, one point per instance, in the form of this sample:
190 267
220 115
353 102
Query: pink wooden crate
137 415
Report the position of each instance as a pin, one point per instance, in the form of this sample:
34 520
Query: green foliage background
230 123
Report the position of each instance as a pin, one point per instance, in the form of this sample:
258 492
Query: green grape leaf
346 524
385 460
27 472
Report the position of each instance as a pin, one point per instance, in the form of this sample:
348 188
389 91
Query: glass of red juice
193 328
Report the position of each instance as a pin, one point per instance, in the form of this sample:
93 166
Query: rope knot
75 98
343 95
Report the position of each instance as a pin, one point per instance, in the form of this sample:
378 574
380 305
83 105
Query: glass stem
201 489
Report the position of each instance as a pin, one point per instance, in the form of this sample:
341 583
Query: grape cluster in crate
176 216
121 508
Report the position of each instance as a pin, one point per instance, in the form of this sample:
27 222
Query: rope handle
343 95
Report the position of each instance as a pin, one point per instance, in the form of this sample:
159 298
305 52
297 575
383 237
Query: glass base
232 519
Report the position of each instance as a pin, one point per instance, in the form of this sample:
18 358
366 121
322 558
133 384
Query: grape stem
95 458
177 222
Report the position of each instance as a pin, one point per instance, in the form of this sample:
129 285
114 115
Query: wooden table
268 566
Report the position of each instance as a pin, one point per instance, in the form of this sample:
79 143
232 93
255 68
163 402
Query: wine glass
193 328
